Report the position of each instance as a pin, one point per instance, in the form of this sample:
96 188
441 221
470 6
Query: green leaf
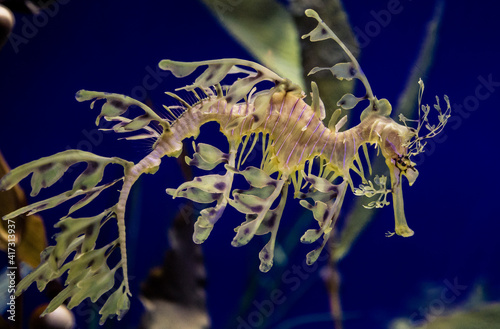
267 30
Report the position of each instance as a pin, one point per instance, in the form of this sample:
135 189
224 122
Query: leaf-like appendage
341 70
255 177
206 189
43 273
321 185
247 202
89 196
340 124
58 199
46 171
127 125
259 192
213 74
217 70
346 71
207 219
255 201
311 235
260 219
91 259
194 194
312 256
208 183
207 157
328 199
84 280
116 105
88 273
181 69
210 153
319 33
71 228
117 304
348 101
94 285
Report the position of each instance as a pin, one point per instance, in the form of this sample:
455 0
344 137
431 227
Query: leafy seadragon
292 134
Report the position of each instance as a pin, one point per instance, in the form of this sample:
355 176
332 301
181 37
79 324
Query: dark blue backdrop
115 46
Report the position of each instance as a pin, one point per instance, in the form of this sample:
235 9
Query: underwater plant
293 137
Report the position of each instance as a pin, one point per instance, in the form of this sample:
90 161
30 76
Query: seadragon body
293 137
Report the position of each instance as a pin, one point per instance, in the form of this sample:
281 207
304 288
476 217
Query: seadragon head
394 141
399 143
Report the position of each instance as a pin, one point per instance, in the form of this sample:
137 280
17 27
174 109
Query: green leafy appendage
75 253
